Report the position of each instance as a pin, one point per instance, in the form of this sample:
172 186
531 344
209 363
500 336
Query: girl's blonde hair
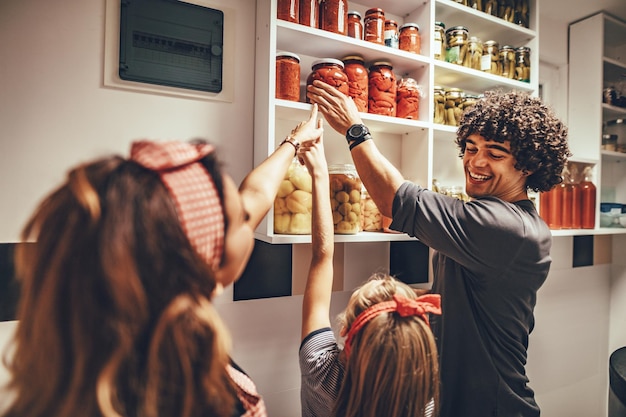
392 369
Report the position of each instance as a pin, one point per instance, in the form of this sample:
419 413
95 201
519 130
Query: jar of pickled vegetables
476 4
358 80
408 99
507 60
439 41
474 53
372 220
491 7
522 64
382 89
309 13
345 198
507 10
454 106
456 39
522 12
374 26
334 16
355 25
391 33
490 61
440 105
409 38
331 71
288 10
294 202
287 76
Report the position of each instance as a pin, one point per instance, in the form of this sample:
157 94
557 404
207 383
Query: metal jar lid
381 64
331 61
354 13
410 25
287 54
353 58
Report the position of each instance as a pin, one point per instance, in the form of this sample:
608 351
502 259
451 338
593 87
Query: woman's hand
309 129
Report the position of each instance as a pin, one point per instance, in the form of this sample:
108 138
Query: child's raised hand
311 153
309 129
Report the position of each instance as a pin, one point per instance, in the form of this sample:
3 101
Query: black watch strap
357 142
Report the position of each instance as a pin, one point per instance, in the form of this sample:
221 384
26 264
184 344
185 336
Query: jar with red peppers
357 80
334 16
287 76
391 33
331 71
355 25
408 99
409 38
288 10
309 13
374 26
382 89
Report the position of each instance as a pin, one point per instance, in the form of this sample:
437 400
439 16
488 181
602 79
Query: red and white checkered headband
191 187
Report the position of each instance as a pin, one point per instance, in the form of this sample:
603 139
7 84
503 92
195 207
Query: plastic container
287 76
358 80
409 38
355 25
309 13
331 71
382 89
294 201
334 16
374 26
345 198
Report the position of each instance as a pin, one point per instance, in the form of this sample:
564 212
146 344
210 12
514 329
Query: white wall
54 112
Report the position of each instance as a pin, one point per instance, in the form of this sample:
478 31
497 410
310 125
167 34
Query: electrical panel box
172 43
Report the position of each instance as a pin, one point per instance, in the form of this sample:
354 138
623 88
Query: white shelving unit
597 60
421 149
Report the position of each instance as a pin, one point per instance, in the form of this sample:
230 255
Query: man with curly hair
491 254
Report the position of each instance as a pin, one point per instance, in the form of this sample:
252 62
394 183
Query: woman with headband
115 315
388 366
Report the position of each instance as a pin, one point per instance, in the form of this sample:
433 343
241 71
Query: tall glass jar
334 16
507 60
440 105
507 10
372 219
409 38
331 71
355 25
456 38
476 4
294 201
474 53
522 12
345 198
288 10
454 106
309 13
490 61
491 7
287 76
382 89
374 26
358 80
522 64
439 41
391 33
408 99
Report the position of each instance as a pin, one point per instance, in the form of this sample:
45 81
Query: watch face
357 131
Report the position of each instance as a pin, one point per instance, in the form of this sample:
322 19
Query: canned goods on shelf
391 33
331 71
334 16
439 41
456 39
409 38
355 25
345 198
382 89
287 76
358 80
374 26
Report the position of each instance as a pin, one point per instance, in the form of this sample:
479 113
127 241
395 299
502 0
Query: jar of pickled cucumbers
345 198
474 53
453 106
439 41
476 4
490 61
491 7
522 64
440 105
507 60
507 10
456 39
294 202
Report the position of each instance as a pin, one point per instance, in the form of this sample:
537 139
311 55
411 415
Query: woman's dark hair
538 138
115 317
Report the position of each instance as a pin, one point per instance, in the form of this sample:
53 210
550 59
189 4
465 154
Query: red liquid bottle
555 204
588 200
567 200
544 206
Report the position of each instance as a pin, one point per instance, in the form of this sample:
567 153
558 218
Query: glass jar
507 60
440 105
331 71
358 80
288 10
476 4
309 13
474 53
287 76
456 39
372 220
382 89
491 7
374 26
439 41
490 61
522 64
294 202
355 25
334 16
345 198
507 10
409 38
453 106
408 99
522 12
391 33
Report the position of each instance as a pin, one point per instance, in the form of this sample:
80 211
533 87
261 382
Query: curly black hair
538 138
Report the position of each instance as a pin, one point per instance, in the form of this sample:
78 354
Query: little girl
389 364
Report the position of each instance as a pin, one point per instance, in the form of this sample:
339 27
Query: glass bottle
555 205
588 199
391 33
577 220
288 10
334 16
355 25
358 80
522 64
331 71
374 26
382 89
507 60
409 38
439 41
408 99
309 13
567 200
456 39
345 198
287 76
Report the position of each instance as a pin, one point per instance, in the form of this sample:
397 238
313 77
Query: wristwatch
291 140
357 134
